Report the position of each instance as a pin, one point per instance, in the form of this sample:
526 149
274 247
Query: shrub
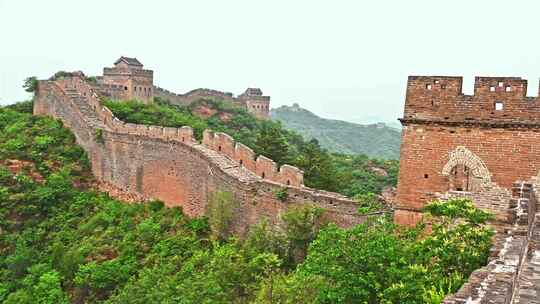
220 213
368 203
281 194
30 84
302 224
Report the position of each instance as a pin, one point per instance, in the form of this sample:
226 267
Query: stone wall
259 106
136 82
513 272
443 128
168 164
441 99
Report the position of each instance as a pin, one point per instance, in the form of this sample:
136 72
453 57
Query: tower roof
253 92
129 61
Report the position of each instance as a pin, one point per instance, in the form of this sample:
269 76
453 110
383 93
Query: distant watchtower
255 102
129 76
466 145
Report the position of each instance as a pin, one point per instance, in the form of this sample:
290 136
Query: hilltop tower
128 80
475 146
255 102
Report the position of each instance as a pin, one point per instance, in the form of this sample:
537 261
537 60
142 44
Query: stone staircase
83 106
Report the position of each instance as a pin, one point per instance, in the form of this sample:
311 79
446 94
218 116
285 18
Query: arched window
460 178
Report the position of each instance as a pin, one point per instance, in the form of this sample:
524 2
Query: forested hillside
375 140
63 242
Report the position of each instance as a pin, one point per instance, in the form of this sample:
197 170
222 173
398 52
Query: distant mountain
374 140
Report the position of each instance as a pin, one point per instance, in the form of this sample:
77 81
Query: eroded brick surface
446 133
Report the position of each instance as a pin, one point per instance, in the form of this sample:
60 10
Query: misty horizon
347 60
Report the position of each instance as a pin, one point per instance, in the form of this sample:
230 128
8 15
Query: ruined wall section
192 96
259 106
512 271
168 164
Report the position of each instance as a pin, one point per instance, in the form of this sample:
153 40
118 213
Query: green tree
30 84
319 171
271 143
220 212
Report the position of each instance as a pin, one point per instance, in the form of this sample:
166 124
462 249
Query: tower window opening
501 84
428 86
460 178
492 89
508 89
499 106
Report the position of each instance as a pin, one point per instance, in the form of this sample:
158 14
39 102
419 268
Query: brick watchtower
255 102
129 80
456 144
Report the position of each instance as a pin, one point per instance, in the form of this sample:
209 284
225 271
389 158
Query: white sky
347 60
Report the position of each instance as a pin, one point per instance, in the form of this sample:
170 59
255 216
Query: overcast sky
347 60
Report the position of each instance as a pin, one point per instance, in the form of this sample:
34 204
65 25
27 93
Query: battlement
128 80
219 142
495 99
245 157
135 72
154 162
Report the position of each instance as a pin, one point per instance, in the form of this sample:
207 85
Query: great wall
128 80
484 147
153 162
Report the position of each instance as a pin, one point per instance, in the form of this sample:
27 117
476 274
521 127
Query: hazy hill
375 140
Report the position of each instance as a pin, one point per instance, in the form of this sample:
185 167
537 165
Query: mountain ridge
375 140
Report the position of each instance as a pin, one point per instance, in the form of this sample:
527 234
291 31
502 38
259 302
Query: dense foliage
350 175
374 140
62 242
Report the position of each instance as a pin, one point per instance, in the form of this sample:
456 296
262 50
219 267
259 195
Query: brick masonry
128 80
512 275
168 164
452 142
478 146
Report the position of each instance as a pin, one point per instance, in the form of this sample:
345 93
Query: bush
220 212
30 84
281 194
368 203
302 224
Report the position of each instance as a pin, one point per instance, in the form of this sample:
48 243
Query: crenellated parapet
496 100
245 157
127 80
154 162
